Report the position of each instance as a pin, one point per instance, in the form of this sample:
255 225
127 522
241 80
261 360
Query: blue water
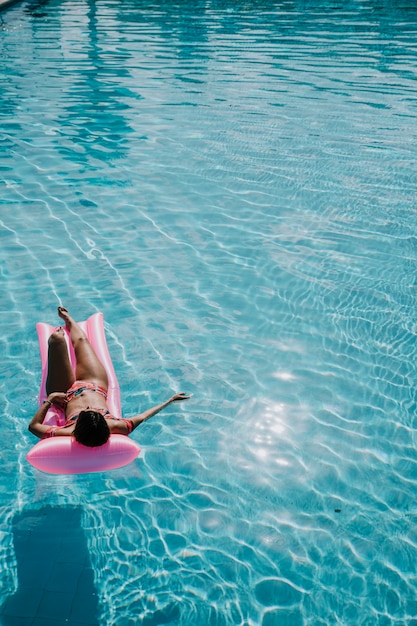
233 184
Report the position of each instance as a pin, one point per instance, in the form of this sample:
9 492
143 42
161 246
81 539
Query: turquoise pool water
233 185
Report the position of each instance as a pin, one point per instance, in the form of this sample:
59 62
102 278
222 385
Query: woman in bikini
83 396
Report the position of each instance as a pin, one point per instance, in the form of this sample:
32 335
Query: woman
83 397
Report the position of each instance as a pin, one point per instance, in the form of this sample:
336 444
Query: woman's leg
60 375
88 367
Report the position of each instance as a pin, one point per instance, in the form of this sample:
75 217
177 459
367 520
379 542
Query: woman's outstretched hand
179 396
139 419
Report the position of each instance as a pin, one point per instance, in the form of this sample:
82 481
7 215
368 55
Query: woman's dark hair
91 429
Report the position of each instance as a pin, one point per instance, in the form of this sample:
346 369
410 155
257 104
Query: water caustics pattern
233 184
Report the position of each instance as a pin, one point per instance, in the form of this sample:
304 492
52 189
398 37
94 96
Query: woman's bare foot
74 329
63 314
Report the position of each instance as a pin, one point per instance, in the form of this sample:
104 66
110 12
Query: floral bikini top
75 390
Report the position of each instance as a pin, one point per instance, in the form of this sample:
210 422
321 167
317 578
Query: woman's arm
139 419
36 426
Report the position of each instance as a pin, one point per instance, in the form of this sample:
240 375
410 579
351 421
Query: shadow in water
55 584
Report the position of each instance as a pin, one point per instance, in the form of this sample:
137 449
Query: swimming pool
233 185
